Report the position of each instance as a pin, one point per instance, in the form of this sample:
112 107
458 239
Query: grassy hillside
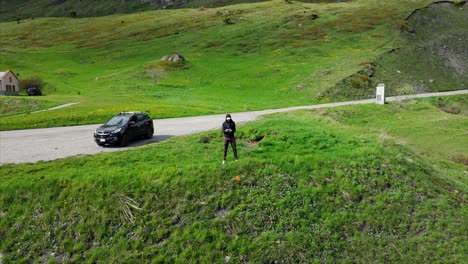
430 55
26 9
336 185
240 57
12 10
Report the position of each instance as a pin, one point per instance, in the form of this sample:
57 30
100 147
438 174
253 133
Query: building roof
2 74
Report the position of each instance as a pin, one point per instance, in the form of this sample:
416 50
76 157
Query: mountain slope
25 9
430 55
241 57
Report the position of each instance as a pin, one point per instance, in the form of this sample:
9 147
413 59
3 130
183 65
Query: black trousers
231 141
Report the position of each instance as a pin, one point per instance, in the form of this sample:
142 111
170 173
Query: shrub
440 102
27 83
359 81
156 74
227 20
461 159
443 105
405 90
459 2
403 25
170 65
451 109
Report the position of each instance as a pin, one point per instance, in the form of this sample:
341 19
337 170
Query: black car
34 91
124 127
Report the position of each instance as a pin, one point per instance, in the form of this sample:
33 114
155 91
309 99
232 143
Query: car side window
133 119
141 118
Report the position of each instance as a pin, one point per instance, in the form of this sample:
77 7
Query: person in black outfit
229 128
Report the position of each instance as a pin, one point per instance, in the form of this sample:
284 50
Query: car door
141 123
133 129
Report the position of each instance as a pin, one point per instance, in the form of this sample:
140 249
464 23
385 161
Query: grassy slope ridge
434 47
430 55
273 55
334 185
27 9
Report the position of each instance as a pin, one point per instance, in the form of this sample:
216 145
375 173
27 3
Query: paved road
31 145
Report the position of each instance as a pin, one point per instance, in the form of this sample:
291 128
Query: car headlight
117 130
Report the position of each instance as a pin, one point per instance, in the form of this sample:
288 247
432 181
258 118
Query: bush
461 159
27 83
403 25
227 20
156 74
170 65
443 105
405 90
459 2
360 81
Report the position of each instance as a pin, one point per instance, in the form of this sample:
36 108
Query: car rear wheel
124 141
149 133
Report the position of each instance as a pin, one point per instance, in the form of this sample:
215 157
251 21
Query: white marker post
380 94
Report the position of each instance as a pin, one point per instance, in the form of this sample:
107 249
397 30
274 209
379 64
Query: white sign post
380 94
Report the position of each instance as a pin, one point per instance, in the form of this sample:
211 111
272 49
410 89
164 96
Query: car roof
132 113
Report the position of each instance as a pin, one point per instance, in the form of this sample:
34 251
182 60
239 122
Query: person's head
228 117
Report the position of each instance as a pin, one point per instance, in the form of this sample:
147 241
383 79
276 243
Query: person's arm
225 127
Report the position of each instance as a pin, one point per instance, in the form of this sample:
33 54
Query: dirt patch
222 213
461 159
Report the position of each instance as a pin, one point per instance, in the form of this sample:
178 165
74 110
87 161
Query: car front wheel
124 141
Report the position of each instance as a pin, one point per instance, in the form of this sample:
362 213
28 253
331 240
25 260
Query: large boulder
173 58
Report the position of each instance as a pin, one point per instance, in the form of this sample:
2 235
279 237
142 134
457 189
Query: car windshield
118 120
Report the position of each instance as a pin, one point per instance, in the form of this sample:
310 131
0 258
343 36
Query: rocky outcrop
173 58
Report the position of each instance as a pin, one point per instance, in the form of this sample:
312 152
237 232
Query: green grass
21 105
421 125
429 56
27 9
436 47
337 185
273 55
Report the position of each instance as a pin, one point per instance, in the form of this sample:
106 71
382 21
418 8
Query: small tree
156 74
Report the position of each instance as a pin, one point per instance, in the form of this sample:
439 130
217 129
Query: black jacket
229 125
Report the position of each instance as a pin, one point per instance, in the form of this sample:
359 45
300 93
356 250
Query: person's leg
226 143
234 147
